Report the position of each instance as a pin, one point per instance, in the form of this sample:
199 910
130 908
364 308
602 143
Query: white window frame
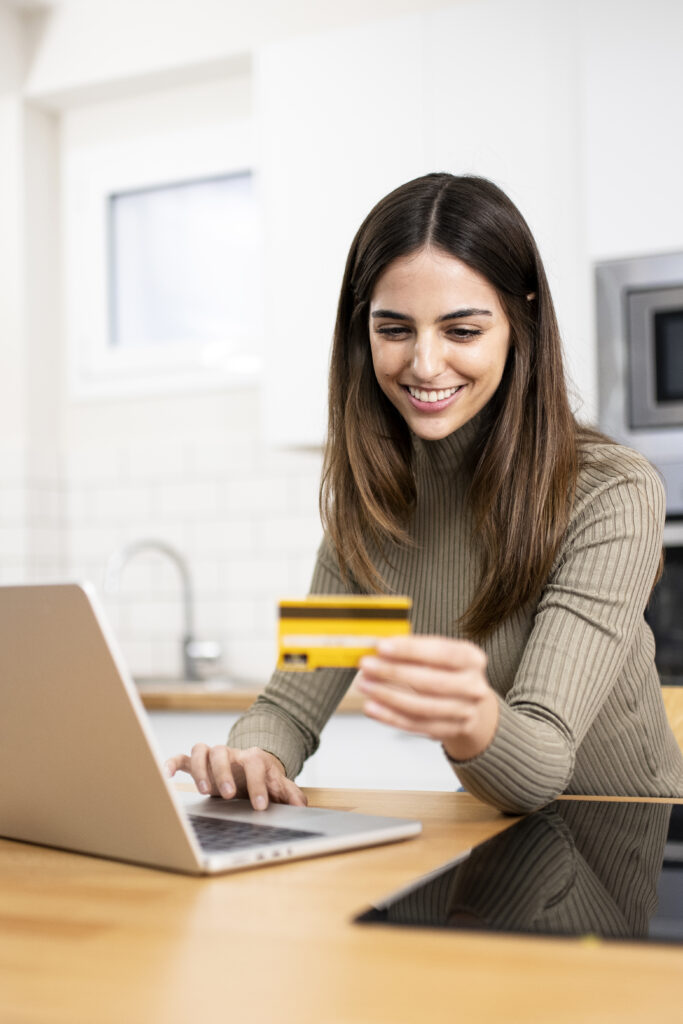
91 174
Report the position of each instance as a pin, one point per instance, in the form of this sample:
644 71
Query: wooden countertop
167 695
88 941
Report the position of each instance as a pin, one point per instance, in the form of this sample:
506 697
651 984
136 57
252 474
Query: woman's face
439 340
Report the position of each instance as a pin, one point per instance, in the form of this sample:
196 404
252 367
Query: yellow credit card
333 631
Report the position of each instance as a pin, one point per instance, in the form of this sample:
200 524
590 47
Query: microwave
640 361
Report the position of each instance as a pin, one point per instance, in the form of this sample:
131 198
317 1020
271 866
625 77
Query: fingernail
203 786
386 646
226 788
167 771
370 663
260 803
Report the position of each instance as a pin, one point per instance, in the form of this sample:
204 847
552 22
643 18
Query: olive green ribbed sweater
580 702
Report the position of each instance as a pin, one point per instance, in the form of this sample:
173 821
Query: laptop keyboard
217 834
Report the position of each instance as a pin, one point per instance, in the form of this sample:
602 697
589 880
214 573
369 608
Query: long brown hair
525 474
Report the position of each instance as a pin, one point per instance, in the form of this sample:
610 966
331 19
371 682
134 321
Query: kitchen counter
169 695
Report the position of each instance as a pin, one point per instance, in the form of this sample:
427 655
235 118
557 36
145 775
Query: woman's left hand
435 686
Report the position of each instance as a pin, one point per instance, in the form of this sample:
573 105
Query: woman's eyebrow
390 314
470 311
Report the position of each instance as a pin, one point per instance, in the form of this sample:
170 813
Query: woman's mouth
432 398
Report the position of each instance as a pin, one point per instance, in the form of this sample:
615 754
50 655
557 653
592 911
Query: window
182 262
162 244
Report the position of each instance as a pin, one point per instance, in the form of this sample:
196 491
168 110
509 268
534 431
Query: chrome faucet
194 652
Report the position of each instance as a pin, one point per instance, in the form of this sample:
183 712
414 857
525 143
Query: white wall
12 280
92 48
502 101
632 125
572 106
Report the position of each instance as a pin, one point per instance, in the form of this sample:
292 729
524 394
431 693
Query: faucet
194 652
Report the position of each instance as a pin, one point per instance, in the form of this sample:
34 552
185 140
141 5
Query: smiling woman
437 368
456 474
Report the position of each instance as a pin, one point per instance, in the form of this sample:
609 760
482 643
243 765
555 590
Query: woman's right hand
229 772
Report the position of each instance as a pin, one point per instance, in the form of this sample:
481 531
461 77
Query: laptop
80 768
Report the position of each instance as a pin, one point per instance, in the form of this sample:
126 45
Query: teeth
432 396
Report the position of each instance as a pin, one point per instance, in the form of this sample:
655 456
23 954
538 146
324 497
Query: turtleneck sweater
580 705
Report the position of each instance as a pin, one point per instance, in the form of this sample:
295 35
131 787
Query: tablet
600 869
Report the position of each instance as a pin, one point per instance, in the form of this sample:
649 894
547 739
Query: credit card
333 631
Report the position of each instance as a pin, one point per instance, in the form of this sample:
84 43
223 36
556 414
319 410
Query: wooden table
87 940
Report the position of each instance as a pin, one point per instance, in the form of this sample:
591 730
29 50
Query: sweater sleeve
587 616
287 718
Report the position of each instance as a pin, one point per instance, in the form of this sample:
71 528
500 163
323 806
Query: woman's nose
428 356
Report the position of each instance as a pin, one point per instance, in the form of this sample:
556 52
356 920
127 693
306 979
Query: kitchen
570 109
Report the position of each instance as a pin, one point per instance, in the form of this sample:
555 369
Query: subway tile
159 462
187 500
96 464
293 534
139 656
252 659
223 536
301 573
153 618
12 464
12 543
116 503
258 577
45 542
78 505
44 466
12 504
247 497
45 504
222 461
93 542
302 494
13 570
208 577
225 619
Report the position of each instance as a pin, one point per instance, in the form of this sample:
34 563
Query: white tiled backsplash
245 519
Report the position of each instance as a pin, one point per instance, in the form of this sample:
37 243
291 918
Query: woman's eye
463 333
392 332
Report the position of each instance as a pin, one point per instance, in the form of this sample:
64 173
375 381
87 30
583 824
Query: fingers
229 772
421 678
220 770
199 768
456 706
433 650
179 763
283 790
435 686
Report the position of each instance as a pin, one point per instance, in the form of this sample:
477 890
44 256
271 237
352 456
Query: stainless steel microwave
640 361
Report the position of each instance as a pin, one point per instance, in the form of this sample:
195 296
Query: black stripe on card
330 612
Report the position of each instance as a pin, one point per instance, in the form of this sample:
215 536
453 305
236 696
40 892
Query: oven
665 610
640 389
640 361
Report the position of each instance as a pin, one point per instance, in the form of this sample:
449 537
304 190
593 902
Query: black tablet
603 868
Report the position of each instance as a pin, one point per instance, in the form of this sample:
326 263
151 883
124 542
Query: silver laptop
80 769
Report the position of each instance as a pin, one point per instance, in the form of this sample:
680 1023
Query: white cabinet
489 88
340 119
354 752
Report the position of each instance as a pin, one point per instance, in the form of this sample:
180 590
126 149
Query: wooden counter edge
200 697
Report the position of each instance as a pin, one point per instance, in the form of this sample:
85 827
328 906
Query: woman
456 473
